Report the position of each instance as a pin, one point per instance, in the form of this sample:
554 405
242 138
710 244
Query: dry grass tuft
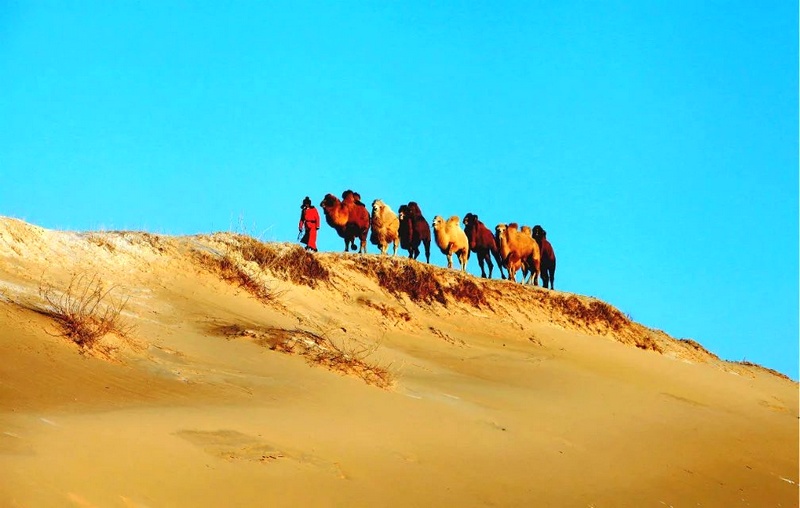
693 344
100 240
467 291
419 283
347 359
596 312
763 369
647 343
386 311
288 262
86 311
155 242
231 271
299 266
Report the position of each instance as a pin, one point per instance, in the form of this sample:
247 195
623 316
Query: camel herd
512 247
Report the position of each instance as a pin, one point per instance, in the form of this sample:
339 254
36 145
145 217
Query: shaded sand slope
258 375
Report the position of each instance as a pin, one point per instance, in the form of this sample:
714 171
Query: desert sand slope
258 375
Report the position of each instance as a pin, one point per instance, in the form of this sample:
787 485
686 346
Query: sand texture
233 373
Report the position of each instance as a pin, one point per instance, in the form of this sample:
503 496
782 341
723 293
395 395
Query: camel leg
499 264
427 251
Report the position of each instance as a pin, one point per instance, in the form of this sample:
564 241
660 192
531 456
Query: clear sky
656 142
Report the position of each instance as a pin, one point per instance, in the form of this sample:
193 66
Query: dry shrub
299 266
385 310
155 242
447 338
86 311
647 343
320 350
698 347
419 283
467 291
230 271
288 262
596 312
763 369
100 241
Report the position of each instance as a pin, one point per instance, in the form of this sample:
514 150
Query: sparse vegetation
100 240
578 312
447 338
86 311
762 368
231 271
422 283
338 356
418 282
698 347
385 310
287 262
468 291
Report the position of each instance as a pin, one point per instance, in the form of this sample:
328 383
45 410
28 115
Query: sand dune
259 375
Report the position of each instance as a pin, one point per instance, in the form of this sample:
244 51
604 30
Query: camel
451 239
518 250
483 243
414 230
385 227
349 218
548 264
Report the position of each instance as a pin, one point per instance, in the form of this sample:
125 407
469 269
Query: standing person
309 219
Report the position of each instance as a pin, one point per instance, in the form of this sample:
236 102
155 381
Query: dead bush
698 347
100 240
761 368
344 358
386 311
467 291
288 262
299 266
230 271
595 313
419 283
86 311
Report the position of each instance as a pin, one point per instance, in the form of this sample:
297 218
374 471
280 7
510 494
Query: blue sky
656 142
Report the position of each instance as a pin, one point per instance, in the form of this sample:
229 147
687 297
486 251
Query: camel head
402 212
377 206
329 201
414 210
499 230
438 222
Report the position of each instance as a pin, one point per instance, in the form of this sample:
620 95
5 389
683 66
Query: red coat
309 219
